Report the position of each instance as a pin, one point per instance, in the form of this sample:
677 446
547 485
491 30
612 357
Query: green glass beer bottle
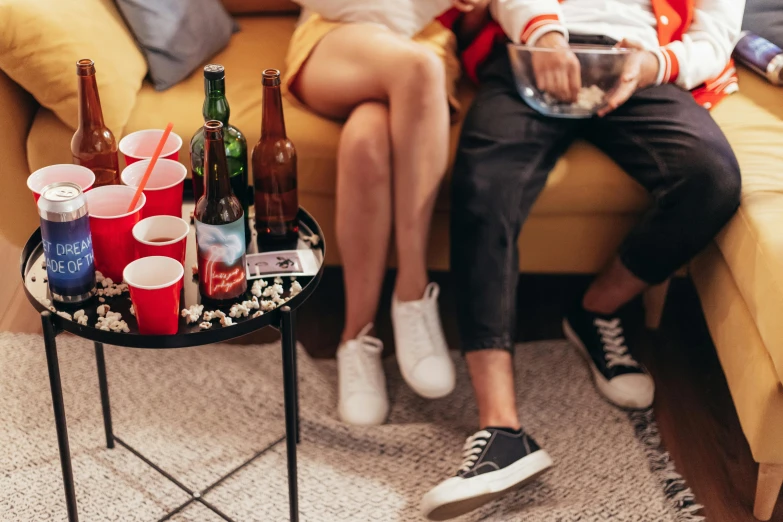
216 108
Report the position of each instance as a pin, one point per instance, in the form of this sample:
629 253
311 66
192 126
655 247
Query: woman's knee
365 147
419 72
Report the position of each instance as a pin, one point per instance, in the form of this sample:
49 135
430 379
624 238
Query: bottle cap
85 67
214 71
271 77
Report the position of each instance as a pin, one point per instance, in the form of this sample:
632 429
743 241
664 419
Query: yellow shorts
435 37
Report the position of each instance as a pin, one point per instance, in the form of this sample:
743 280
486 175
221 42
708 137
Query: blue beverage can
67 243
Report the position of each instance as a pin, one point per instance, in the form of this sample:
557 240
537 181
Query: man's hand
557 72
640 72
467 6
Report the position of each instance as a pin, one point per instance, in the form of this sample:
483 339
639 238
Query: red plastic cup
155 284
39 179
140 145
163 189
165 236
111 226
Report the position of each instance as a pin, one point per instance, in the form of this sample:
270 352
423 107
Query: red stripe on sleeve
535 23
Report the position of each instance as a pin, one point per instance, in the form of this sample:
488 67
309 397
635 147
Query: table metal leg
53 365
104 385
291 413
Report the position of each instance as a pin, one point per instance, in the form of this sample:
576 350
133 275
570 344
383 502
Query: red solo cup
163 189
141 145
111 226
155 284
161 236
82 176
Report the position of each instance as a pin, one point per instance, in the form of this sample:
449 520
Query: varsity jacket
695 38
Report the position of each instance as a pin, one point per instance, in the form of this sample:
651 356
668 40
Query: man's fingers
618 97
575 78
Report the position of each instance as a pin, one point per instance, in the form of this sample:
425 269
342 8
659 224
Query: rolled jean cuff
652 275
488 343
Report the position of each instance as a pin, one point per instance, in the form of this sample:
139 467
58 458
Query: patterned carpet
200 413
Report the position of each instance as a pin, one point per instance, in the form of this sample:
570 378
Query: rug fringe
677 492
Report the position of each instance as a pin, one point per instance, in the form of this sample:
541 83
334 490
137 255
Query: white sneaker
421 346
361 383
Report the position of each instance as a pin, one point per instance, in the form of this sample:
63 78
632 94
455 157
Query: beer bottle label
221 259
70 265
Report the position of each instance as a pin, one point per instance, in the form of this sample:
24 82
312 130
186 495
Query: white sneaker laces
362 354
474 445
423 322
615 350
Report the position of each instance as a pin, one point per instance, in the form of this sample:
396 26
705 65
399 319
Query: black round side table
33 273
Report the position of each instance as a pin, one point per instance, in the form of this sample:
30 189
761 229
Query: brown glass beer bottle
93 144
220 228
274 171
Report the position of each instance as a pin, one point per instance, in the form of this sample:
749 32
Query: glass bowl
601 70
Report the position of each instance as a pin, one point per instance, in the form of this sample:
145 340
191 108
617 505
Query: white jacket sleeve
705 49
525 21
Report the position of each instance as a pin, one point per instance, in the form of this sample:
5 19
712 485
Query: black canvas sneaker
495 460
617 375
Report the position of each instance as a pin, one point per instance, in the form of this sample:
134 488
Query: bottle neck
272 123
216 178
90 113
215 102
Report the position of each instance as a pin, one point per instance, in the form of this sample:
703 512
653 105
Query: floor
693 406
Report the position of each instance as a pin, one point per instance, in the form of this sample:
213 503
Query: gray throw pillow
176 36
765 18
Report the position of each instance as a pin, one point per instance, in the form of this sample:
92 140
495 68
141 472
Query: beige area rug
199 413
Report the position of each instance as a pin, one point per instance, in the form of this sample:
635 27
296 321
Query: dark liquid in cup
161 239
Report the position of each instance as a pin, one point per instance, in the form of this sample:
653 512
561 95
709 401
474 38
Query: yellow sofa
587 207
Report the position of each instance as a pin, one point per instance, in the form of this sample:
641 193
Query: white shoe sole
604 387
445 503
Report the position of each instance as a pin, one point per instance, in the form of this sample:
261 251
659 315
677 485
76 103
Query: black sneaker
495 461
617 375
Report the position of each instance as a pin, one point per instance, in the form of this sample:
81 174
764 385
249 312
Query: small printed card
284 262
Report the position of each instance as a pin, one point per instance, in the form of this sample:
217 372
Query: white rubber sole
457 496
611 393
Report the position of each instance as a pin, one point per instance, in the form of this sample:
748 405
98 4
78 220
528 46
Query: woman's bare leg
364 200
362 62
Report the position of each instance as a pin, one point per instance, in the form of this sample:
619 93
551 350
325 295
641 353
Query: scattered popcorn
219 313
257 314
82 320
65 315
78 314
293 278
98 276
273 291
112 289
101 300
46 302
193 313
295 288
226 321
132 311
252 304
112 321
267 306
257 287
205 325
239 310
102 309
588 99
278 300
52 309
194 269
106 282
313 239
278 280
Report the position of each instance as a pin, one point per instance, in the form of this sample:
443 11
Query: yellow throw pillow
41 40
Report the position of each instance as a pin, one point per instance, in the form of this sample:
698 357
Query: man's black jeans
661 137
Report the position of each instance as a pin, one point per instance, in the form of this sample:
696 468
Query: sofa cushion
41 41
765 18
177 35
239 7
752 242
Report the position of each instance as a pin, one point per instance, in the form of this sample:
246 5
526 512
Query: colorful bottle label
756 52
70 265
221 260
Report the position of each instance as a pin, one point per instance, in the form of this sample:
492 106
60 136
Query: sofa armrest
18 217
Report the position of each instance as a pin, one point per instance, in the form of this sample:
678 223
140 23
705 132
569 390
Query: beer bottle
216 108
274 171
220 232
93 144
